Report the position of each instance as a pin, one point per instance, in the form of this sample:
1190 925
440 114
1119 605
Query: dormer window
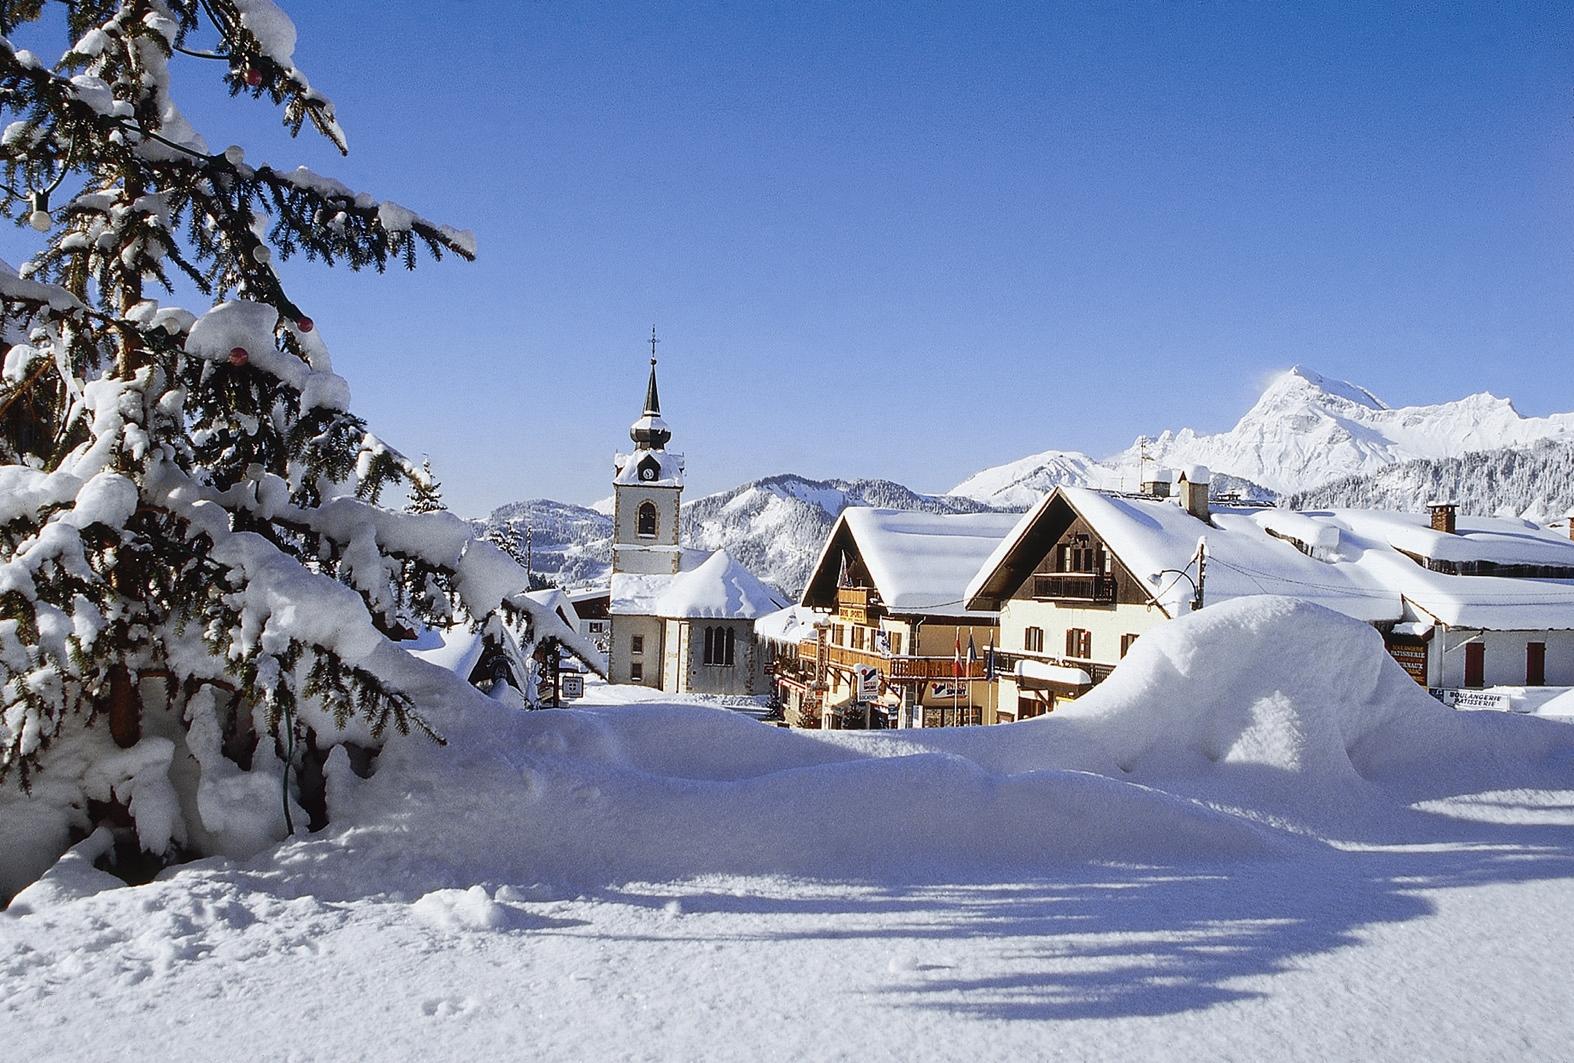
646 520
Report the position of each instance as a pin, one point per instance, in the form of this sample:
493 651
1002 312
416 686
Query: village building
895 644
1462 602
679 620
593 606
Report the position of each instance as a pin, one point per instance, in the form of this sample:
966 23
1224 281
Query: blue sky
912 240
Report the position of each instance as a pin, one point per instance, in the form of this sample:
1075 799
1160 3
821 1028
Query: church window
720 646
645 520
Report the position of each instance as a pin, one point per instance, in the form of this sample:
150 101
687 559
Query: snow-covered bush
192 560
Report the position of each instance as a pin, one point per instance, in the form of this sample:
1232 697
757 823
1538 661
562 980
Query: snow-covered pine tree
426 493
190 549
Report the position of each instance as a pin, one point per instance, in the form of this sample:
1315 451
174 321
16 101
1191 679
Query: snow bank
1242 732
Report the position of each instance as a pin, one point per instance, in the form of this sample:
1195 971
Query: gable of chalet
840 554
1030 550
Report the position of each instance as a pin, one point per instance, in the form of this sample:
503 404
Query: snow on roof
1492 603
666 467
1156 540
1053 673
1292 525
921 562
558 602
792 624
707 585
1196 474
1493 539
1356 566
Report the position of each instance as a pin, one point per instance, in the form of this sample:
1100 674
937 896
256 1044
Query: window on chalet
1080 556
637 672
839 634
645 520
1027 708
1475 665
895 639
1079 643
1033 640
637 644
858 637
1125 643
1535 664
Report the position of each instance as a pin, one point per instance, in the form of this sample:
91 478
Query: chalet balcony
893 668
1073 587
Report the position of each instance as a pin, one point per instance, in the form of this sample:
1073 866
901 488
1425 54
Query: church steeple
650 432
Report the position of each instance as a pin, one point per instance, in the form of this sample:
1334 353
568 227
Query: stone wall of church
631 551
636 651
746 675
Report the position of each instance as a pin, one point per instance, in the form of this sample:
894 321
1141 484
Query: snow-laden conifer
190 540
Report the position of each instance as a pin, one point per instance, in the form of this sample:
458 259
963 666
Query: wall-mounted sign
573 685
1412 658
866 683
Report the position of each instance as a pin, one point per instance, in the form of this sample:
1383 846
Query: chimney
1444 516
1159 483
1193 485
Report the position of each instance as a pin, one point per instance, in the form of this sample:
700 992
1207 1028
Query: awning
1041 674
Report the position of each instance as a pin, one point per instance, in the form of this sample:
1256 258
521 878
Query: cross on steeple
650 432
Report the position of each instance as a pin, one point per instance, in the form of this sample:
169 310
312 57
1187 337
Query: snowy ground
1228 857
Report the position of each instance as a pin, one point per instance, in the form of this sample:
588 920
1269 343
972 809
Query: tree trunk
125 707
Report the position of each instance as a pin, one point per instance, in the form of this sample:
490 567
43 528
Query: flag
956 668
989 662
972 654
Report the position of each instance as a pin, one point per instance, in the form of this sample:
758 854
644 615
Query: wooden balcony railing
892 667
1074 586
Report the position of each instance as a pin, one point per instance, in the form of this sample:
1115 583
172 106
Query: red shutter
1536 664
1475 664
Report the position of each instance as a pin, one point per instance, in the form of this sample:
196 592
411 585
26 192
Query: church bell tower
647 485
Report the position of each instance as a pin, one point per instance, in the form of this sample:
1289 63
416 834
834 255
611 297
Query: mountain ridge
1304 430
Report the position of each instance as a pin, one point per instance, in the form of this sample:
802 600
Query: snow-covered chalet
682 620
1461 602
892 639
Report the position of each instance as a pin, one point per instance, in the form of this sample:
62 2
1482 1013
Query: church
682 621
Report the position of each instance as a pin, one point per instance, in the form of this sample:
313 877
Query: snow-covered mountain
1536 483
775 526
571 545
1305 430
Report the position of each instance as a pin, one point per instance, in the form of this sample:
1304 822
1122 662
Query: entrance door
1475 665
1536 664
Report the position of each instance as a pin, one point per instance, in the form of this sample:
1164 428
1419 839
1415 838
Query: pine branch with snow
187 503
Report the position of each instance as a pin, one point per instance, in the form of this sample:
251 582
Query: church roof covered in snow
706 586
1373 566
918 562
653 468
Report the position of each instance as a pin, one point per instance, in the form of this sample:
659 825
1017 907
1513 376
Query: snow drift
1243 731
